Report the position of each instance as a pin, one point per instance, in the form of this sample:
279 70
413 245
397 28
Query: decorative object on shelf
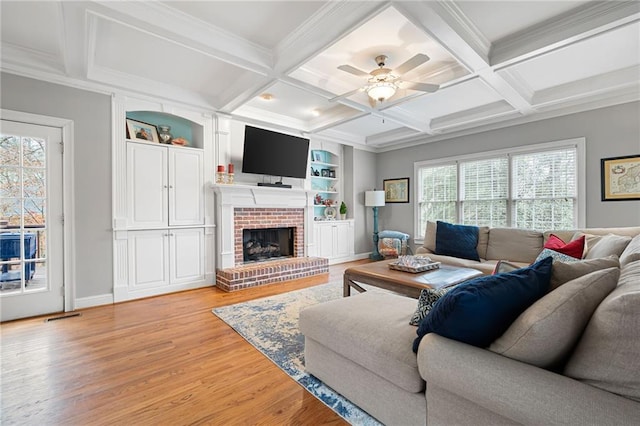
325 172
374 199
316 156
620 178
330 212
343 211
179 141
413 264
220 177
164 133
140 131
396 190
318 200
332 173
314 172
230 173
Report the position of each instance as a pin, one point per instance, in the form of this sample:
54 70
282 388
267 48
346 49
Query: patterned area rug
271 325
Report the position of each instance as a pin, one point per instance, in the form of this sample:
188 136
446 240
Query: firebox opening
267 243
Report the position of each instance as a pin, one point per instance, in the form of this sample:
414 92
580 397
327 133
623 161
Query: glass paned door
30 220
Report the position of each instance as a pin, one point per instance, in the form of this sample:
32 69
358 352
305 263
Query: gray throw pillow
567 271
548 330
608 245
606 356
632 252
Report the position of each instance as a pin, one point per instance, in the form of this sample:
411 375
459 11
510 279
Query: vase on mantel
343 216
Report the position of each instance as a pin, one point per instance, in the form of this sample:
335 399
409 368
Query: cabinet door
186 186
344 239
148 259
325 241
186 255
146 185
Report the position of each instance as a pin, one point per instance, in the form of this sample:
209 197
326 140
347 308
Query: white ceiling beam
568 28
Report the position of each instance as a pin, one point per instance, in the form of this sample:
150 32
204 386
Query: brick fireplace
240 207
267 218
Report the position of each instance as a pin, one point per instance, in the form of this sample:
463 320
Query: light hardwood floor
165 360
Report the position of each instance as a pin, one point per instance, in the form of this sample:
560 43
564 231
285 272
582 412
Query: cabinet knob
170 186
164 186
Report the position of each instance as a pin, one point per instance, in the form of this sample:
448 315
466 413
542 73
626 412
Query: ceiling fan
382 82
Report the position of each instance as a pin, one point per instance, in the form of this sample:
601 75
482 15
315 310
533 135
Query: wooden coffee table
378 274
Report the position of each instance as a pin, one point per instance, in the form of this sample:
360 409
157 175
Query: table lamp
374 199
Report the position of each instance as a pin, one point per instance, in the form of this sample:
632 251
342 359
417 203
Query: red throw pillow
574 248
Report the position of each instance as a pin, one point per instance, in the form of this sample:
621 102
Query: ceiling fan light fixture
381 91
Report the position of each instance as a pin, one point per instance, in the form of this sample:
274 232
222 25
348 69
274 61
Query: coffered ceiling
496 63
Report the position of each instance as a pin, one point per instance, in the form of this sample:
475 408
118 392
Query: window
535 188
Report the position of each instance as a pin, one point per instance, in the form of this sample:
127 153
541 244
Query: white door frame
69 250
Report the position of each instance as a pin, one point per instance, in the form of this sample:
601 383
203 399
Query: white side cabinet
165 186
335 240
163 258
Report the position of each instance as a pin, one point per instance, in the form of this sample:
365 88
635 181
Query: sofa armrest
515 390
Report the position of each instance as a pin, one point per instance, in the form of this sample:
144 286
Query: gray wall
609 132
364 179
91 115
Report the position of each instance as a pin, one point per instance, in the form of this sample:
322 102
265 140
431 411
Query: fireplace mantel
229 197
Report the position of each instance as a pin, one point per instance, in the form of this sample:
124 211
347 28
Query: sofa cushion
371 329
479 310
430 236
607 354
632 252
567 271
608 245
515 245
573 248
427 299
548 330
483 241
457 240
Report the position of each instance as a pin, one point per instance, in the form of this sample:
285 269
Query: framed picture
140 131
332 173
620 178
316 156
325 172
396 190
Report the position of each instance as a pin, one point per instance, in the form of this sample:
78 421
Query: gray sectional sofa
361 347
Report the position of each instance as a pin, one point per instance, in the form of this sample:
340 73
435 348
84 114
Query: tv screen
276 154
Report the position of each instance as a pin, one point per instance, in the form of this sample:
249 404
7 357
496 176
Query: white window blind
532 188
544 190
484 187
439 193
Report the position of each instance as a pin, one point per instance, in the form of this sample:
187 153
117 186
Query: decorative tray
414 264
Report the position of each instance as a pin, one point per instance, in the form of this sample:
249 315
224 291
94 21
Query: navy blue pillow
457 240
479 311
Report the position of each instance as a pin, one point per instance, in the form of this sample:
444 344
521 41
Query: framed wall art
620 178
396 190
140 131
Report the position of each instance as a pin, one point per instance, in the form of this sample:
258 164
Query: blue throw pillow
480 310
457 240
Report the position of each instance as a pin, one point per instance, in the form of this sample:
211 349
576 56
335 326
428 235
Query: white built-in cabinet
164 186
164 238
334 240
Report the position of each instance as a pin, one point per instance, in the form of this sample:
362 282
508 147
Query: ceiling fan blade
411 63
353 70
345 95
423 87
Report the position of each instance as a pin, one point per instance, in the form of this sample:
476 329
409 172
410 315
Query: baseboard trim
91 301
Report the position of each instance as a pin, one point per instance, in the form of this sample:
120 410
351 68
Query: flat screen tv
276 154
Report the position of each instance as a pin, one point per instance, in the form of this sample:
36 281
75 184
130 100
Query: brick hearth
256 274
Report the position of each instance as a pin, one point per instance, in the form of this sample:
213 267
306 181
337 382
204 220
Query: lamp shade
374 198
